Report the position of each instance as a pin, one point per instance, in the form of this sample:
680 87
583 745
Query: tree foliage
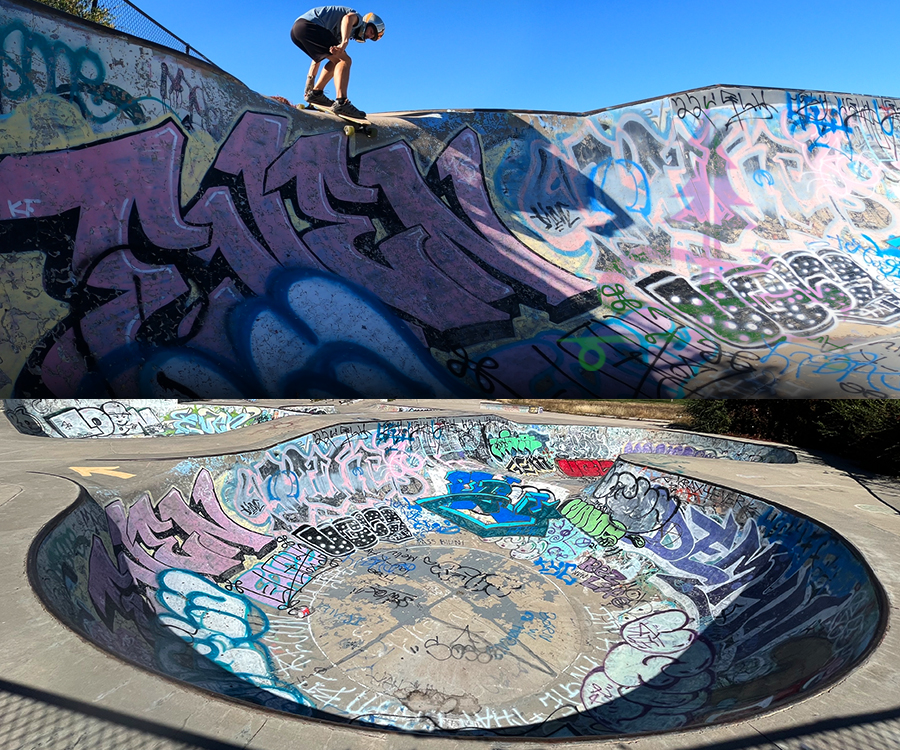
864 431
89 9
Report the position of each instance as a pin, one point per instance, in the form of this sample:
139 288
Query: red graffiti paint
584 467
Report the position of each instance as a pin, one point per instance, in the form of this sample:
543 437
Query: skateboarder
323 34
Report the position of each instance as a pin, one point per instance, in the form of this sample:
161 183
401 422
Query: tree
862 430
89 9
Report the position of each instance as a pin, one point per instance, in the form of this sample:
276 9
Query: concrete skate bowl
468 577
723 242
108 418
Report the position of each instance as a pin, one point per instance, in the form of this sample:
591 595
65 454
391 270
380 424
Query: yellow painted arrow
109 471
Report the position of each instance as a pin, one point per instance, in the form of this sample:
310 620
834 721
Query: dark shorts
316 41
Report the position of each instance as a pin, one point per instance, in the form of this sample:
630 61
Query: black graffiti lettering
344 535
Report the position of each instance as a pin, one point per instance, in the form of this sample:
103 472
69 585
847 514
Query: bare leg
313 69
337 67
342 77
326 76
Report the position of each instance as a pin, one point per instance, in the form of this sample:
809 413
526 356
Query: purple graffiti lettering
195 536
105 202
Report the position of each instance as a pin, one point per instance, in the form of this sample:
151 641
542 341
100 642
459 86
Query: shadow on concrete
883 488
53 722
879 730
38 719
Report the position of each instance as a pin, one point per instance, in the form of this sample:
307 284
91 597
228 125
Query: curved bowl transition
468 576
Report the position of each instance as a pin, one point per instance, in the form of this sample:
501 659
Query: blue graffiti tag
224 627
489 507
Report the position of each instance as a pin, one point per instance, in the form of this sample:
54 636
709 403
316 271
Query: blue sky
567 55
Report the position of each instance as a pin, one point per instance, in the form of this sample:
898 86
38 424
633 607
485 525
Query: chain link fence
34 719
126 16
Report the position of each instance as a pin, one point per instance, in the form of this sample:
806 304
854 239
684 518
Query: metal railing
126 16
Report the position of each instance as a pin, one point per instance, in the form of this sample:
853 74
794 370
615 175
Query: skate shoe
346 109
318 97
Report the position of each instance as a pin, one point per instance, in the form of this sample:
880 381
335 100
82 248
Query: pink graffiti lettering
195 535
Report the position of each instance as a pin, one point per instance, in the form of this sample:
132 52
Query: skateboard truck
353 125
370 131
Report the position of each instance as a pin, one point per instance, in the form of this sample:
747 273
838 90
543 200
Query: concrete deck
59 691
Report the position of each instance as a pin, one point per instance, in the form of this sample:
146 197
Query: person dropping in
323 34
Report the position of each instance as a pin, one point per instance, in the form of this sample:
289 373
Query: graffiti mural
488 506
393 574
725 242
585 467
627 681
360 531
220 626
86 418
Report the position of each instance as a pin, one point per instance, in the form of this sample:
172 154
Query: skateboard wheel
349 130
373 131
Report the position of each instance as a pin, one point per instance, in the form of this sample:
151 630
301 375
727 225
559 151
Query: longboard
356 125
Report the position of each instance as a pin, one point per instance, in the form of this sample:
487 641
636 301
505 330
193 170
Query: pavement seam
768 739
253 737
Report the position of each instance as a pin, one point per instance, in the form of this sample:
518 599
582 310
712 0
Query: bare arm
347 24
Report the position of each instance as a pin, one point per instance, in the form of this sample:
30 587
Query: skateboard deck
355 125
